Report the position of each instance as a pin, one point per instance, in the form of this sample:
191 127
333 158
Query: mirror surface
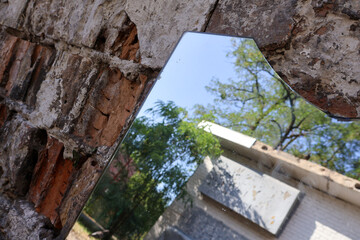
220 79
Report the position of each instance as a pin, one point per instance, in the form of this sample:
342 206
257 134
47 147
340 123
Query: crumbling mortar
108 152
129 69
72 143
49 42
80 101
17 106
84 51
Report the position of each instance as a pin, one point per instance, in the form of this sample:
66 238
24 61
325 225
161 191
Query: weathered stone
37 87
78 193
268 22
112 106
313 45
18 220
50 180
4 111
122 42
12 11
102 25
105 99
76 22
160 25
79 70
23 67
20 144
326 49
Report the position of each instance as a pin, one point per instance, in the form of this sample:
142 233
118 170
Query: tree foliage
164 148
258 103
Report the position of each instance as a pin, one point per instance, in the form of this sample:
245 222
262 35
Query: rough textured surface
268 22
103 24
12 12
313 45
73 75
78 194
3 114
321 63
161 23
50 180
18 220
20 144
104 98
63 110
23 67
76 22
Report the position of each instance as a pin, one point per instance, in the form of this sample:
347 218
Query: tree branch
290 127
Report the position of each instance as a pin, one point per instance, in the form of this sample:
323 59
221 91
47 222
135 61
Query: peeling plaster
48 97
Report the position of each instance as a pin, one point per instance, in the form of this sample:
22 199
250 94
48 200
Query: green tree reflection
157 156
258 103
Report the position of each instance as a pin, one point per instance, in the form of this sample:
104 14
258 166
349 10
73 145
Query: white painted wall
318 215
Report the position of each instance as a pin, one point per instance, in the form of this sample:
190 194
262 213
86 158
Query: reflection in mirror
224 80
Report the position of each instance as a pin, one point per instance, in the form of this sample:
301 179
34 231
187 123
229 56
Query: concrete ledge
312 174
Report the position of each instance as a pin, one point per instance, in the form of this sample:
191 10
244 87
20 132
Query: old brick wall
72 77
74 73
63 109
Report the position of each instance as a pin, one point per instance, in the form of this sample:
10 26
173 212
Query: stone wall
74 73
63 110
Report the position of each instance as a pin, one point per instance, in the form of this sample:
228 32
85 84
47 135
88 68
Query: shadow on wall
231 196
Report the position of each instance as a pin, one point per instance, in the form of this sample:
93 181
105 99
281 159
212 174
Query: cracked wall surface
73 75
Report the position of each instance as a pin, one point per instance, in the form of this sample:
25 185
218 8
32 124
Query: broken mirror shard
226 82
